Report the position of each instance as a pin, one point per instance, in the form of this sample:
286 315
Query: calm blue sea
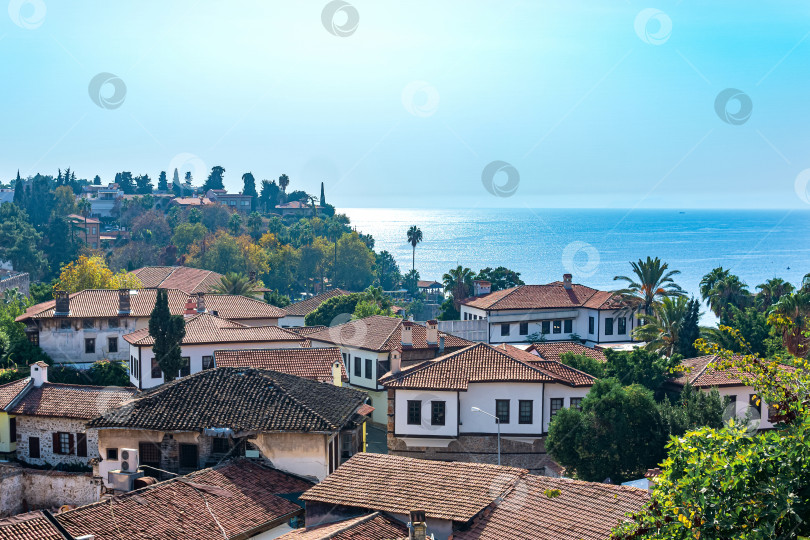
596 245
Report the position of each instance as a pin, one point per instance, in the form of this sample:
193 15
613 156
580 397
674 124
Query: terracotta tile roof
102 303
243 495
205 328
380 333
77 217
551 296
71 400
557 370
553 350
305 330
445 490
313 364
475 364
294 204
30 526
424 284
192 201
701 373
242 399
305 307
11 390
374 526
583 510
184 278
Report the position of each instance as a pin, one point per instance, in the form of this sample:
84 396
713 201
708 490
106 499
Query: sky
568 103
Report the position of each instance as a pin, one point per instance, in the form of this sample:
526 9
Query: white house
87 326
205 334
555 311
367 346
432 405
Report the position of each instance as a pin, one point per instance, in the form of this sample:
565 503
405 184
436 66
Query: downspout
140 370
543 409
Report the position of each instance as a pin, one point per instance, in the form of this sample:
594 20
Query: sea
596 244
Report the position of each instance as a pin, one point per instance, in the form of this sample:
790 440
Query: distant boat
681 212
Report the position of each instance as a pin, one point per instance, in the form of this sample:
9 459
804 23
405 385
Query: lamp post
498 422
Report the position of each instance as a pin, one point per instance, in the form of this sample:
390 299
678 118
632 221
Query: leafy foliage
168 331
501 278
93 273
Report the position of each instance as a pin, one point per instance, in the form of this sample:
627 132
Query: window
12 428
112 323
557 327
591 324
556 405
568 326
112 454
465 316
383 367
207 362
65 325
437 413
525 411
185 367
414 412
346 445
576 403
502 410
88 324
112 344
358 367
621 325
33 447
728 400
524 329
608 326
81 444
546 327
189 456
62 443
156 373
368 368
504 329
150 453
89 345
755 402
221 445
33 337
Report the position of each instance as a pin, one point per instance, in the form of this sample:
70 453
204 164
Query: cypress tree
168 332
323 197
163 184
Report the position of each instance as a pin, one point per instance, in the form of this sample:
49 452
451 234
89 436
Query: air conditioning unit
129 460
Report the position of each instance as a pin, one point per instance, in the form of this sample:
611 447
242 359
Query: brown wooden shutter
81 444
71 446
56 449
33 447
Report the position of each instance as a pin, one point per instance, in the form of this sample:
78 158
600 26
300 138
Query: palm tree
414 237
283 182
708 281
772 290
790 315
652 282
234 283
662 329
728 291
459 282
84 209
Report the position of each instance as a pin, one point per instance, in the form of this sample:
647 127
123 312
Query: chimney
200 302
432 332
567 281
39 373
481 287
337 374
190 308
62 303
123 301
396 361
441 345
418 527
407 333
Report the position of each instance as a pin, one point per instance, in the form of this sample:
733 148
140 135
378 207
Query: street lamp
498 422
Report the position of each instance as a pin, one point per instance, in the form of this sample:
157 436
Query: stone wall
18 280
23 489
44 428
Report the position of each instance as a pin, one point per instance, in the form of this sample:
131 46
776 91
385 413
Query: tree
125 182
269 195
368 308
651 281
254 224
692 409
410 282
64 202
19 240
708 281
215 179
640 366
618 434
323 196
459 282
235 223
194 215
187 234
274 298
167 331
215 217
690 330
760 338
501 278
662 329
238 284
772 290
790 316
250 189
93 273
328 312
355 267
387 271
96 180
726 291
283 182
151 227
585 363
163 183
414 237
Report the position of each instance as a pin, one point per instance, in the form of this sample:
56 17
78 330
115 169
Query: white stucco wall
743 394
560 391
67 346
401 426
483 396
291 320
304 454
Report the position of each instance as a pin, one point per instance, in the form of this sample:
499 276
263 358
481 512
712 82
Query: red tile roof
424 284
238 499
11 390
77 217
374 526
71 400
313 364
192 201
444 490
482 363
305 307
551 296
30 526
205 328
380 333
184 278
701 373
582 510
553 350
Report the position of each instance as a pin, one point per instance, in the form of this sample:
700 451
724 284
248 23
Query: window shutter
56 443
81 444
71 446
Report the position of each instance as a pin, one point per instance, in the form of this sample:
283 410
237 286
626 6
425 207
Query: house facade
555 311
88 229
430 406
367 346
234 201
301 426
87 326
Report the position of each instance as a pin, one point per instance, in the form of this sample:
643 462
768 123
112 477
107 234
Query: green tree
790 316
367 308
194 215
187 234
772 290
727 291
96 180
125 182
459 282
652 280
410 282
144 184
215 217
387 271
168 332
690 330
254 225
275 298
64 202
501 278
355 267
235 224
269 195
19 241
163 182
329 310
661 329
640 366
323 196
215 179
692 409
414 237
250 189
283 182
234 283
753 326
108 373
584 363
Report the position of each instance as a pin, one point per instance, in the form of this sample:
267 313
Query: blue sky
408 109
